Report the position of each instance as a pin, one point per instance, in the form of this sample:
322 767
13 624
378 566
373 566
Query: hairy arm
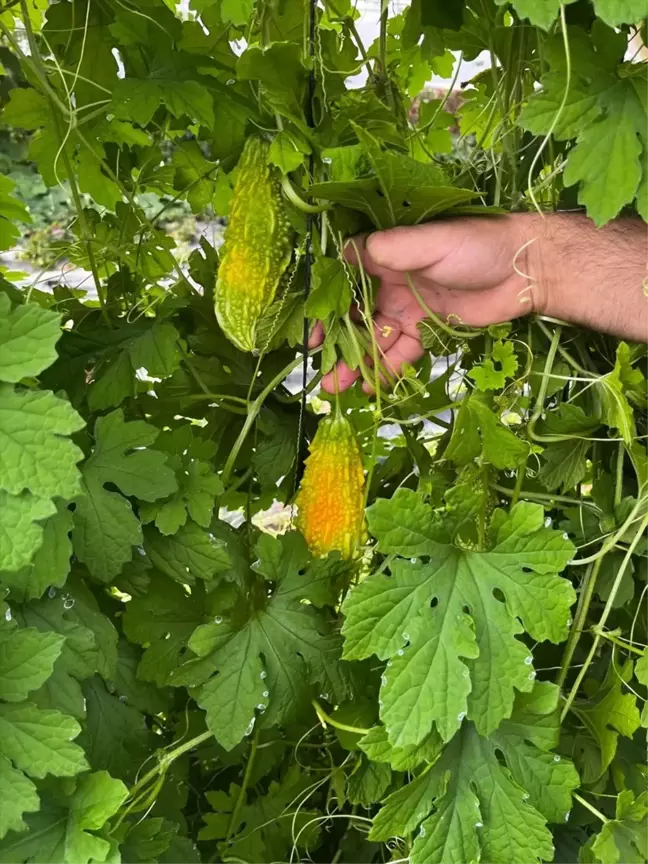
593 277
485 270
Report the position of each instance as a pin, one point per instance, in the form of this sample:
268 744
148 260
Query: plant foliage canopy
181 678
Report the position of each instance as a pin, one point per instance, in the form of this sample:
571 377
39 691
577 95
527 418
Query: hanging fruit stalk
256 250
331 495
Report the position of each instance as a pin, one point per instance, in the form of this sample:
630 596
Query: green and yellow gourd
331 495
256 250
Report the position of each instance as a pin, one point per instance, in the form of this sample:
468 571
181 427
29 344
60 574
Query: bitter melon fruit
257 247
331 496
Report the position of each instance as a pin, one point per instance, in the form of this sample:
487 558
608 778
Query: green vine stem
240 800
544 384
297 201
446 328
584 600
253 412
326 720
589 807
548 498
638 508
621 643
160 770
604 616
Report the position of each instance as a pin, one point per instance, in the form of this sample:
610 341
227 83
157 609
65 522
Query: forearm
593 277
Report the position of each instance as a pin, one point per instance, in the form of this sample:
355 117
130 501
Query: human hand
463 268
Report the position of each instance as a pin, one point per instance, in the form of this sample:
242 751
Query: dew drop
565 535
218 620
556 758
548 522
461 715
265 694
465 673
250 727
525 796
51 592
528 660
380 703
569 622
406 636
261 707
324 696
422 832
7 614
389 663
263 675
531 676
479 824
68 602
413 560
567 815
383 680
122 699
400 652
141 550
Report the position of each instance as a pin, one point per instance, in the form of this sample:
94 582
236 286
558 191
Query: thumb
415 247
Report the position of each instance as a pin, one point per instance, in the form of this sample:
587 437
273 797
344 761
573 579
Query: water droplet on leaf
528 660
218 620
461 715
51 592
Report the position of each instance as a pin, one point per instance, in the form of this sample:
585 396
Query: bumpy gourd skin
331 495
256 250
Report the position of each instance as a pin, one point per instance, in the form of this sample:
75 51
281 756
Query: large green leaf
28 337
26 661
482 809
447 624
40 742
263 659
105 527
603 110
65 829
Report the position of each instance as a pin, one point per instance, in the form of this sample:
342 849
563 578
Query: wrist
540 262
588 276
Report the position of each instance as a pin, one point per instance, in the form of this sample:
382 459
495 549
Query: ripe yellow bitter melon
256 249
331 495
